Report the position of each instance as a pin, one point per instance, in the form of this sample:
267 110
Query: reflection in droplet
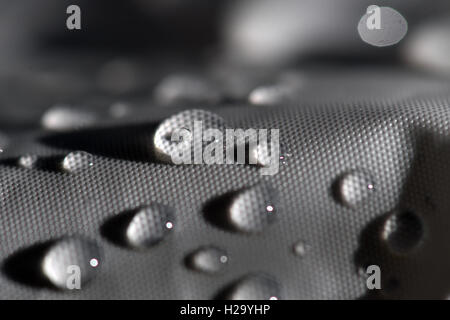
77 161
257 286
184 88
148 226
183 121
208 259
393 27
61 117
354 188
28 161
69 252
252 209
403 231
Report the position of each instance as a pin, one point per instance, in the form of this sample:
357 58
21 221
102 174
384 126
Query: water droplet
68 252
300 248
256 286
182 89
208 259
28 161
252 209
269 95
63 118
77 161
392 29
147 226
403 231
354 188
184 120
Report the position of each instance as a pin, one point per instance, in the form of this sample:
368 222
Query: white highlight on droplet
169 225
93 262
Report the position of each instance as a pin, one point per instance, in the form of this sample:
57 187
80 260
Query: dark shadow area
25 266
49 163
265 286
226 292
215 210
131 142
114 228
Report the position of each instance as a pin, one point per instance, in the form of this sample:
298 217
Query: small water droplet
148 225
61 118
354 188
28 161
68 252
208 259
252 209
256 286
184 120
183 88
403 231
300 248
77 161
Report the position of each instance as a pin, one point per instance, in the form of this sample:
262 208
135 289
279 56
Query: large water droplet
208 259
140 228
149 226
28 161
403 231
252 209
63 118
258 286
354 188
70 252
183 121
392 28
182 88
77 161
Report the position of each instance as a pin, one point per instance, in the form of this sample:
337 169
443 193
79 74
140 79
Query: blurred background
166 52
